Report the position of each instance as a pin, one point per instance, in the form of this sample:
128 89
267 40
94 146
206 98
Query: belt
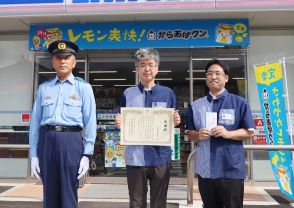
62 128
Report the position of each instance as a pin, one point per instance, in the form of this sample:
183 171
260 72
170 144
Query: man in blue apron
64 106
219 123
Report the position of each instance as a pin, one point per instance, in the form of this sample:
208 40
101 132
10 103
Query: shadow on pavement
5 204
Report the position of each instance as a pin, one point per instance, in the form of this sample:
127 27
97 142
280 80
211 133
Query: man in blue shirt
64 106
218 123
146 162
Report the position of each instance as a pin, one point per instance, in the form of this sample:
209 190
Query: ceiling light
209 59
124 85
196 78
197 70
109 79
99 72
161 71
163 78
96 85
51 72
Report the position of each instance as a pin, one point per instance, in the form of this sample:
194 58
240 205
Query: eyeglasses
217 74
150 66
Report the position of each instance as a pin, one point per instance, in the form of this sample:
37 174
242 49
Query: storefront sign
259 139
259 136
269 78
158 34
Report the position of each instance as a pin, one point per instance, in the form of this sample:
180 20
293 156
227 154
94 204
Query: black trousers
59 156
138 177
221 193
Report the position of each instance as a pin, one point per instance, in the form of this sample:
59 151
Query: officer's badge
73 96
47 97
61 46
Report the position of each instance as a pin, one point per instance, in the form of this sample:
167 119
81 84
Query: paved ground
112 192
107 205
81 205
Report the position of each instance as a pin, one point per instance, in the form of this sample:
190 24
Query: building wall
268 46
17 75
16 80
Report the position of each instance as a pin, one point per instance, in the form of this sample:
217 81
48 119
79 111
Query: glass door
174 73
44 70
109 77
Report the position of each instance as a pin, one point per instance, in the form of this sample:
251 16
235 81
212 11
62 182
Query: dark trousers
221 193
59 157
158 177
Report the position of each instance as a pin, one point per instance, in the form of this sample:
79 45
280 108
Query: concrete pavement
107 190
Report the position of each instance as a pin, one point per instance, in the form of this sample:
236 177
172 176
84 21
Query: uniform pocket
48 108
72 108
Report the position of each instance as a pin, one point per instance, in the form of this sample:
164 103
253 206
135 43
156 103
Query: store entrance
110 72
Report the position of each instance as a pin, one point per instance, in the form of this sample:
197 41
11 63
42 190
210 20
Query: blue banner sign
30 1
114 152
157 34
269 79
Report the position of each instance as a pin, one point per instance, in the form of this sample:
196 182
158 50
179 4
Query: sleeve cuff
88 156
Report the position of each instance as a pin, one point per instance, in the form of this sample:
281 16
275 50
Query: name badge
73 97
227 116
159 104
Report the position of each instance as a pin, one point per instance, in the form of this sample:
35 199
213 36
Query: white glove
84 166
35 167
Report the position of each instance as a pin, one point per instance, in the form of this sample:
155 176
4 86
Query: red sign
25 117
259 139
258 121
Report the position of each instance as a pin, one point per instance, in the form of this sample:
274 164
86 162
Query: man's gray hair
146 53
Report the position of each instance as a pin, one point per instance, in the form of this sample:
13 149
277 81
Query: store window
109 77
16 88
110 73
45 72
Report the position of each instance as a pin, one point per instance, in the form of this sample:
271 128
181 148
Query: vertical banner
176 149
114 152
269 79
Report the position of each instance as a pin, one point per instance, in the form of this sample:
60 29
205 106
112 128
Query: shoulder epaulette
47 81
80 79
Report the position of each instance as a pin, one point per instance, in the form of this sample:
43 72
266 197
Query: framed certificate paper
147 126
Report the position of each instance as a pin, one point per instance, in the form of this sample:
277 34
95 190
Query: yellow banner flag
268 73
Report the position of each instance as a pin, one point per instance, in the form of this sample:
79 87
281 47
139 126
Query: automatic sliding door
109 78
44 70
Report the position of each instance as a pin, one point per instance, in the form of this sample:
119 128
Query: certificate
211 120
147 126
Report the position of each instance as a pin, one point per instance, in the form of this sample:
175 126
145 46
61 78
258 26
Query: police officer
64 106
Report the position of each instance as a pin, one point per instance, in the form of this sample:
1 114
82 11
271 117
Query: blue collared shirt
67 103
217 157
157 96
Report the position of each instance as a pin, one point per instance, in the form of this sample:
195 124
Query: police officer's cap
63 48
